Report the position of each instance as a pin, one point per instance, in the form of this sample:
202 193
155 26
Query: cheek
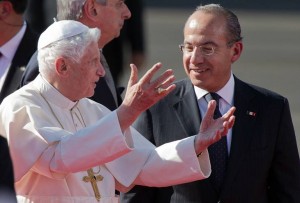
112 22
186 63
81 74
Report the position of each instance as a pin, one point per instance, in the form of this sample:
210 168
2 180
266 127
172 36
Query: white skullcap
61 30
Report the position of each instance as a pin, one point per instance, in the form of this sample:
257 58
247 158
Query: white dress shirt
8 51
225 102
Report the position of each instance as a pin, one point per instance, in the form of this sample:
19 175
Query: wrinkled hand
212 130
142 94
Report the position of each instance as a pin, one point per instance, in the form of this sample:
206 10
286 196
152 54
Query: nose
101 70
196 57
126 13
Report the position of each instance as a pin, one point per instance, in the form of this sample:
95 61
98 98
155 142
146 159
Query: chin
118 33
91 93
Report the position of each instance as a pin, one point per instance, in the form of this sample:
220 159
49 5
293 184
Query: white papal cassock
51 152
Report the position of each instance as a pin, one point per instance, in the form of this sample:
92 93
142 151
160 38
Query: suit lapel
186 109
243 129
25 50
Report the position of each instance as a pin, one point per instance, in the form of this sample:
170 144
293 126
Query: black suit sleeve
285 170
144 194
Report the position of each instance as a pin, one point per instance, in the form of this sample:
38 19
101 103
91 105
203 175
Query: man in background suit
262 157
17 44
109 17
130 46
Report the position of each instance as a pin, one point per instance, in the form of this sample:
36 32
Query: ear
237 51
5 9
61 67
89 10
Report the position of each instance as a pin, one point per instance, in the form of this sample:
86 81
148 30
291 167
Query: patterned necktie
218 151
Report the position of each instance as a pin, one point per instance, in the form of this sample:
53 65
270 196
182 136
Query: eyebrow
202 44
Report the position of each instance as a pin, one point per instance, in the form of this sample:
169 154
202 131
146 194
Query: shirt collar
52 95
226 92
10 47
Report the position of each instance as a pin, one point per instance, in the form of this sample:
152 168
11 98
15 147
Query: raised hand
211 130
142 94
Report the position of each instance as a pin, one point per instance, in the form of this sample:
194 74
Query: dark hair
18 5
233 25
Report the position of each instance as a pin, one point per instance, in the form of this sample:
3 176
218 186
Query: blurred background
271 31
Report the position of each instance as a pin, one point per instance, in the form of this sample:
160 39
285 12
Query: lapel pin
251 113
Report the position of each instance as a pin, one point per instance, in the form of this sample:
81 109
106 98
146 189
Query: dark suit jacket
103 94
26 48
263 165
7 189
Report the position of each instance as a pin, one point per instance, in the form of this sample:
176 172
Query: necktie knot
214 96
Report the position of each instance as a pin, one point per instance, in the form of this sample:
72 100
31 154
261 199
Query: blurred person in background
258 161
17 44
130 46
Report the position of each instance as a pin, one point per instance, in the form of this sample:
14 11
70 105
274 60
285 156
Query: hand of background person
212 130
142 94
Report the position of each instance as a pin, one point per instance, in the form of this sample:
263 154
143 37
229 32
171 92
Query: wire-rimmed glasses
205 50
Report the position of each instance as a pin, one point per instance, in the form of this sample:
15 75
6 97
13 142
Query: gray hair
233 25
72 48
72 9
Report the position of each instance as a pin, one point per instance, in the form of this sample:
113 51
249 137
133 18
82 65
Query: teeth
199 71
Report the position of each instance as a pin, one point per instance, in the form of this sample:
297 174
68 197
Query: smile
199 71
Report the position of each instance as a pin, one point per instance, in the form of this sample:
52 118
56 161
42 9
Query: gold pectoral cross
93 179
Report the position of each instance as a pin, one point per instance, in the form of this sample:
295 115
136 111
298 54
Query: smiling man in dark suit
261 157
17 44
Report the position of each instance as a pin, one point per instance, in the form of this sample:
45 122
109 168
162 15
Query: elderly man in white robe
67 148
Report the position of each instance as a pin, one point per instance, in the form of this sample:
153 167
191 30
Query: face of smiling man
202 32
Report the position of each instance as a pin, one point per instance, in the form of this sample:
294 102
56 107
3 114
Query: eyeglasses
205 50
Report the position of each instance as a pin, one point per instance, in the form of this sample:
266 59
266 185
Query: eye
95 62
207 49
188 48
120 4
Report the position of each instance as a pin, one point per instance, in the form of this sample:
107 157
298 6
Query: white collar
51 94
226 92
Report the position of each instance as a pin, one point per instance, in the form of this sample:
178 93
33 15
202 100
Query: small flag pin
251 113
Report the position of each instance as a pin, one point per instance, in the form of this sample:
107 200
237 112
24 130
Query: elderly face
83 76
111 19
209 70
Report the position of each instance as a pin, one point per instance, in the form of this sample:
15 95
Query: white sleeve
52 151
174 163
